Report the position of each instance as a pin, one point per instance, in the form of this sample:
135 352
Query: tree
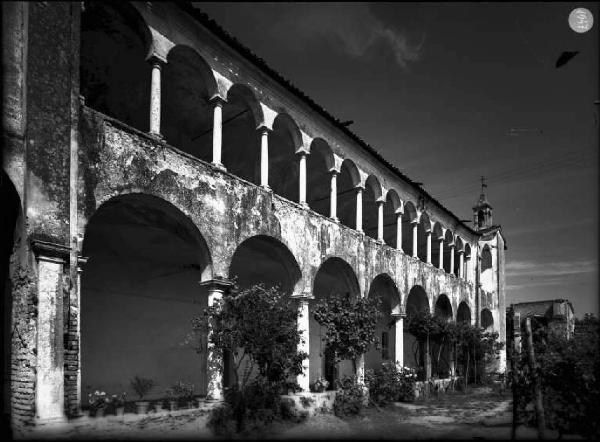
350 326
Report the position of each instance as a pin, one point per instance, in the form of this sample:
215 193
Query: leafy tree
350 326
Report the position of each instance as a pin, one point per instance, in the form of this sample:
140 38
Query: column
264 157
80 262
359 191
49 391
360 368
302 176
399 339
414 239
441 266
217 131
214 358
304 328
333 196
380 220
428 246
452 259
461 264
399 231
155 96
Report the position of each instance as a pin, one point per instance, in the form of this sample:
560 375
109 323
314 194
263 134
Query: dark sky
452 91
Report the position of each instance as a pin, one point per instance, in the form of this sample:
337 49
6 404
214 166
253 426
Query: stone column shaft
399 231
441 254
359 209
217 132
49 392
155 97
428 234
414 240
333 196
461 264
452 259
380 220
399 343
304 328
302 176
264 158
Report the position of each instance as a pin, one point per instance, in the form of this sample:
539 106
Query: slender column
452 259
461 264
428 247
414 239
441 267
304 346
360 368
80 262
359 207
264 157
399 231
214 357
333 196
399 339
302 176
217 131
49 392
380 220
155 96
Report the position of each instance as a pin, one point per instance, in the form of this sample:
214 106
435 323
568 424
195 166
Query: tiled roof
216 29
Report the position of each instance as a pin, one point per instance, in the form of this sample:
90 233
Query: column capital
217 100
359 188
414 222
220 284
380 201
334 171
81 261
264 129
156 60
460 252
399 314
303 297
49 251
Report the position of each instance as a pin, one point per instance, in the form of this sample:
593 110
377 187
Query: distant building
557 315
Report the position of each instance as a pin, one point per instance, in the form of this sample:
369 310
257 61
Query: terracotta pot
141 407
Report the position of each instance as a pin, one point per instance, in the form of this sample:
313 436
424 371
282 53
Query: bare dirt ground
480 414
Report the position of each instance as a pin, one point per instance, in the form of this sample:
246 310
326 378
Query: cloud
533 269
351 28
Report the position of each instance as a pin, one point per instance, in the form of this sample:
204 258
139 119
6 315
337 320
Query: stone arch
319 165
423 230
417 301
487 320
348 180
443 307
460 247
284 142
437 233
145 259
114 74
265 259
371 195
384 288
448 243
441 355
334 276
467 261
391 211
486 258
187 86
409 216
463 313
242 115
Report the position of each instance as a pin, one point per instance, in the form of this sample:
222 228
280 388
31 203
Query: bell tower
482 211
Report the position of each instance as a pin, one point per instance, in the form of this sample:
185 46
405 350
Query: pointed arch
463 314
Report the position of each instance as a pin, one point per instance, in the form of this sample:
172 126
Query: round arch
391 211
284 143
409 216
463 314
145 259
423 230
487 320
457 252
319 165
441 355
443 307
347 182
437 234
371 195
417 301
448 243
114 73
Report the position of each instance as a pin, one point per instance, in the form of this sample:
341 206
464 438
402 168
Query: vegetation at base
350 396
569 370
391 383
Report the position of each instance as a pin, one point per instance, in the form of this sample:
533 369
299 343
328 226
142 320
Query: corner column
50 378
302 179
155 99
333 196
214 357
359 209
217 103
380 220
304 346
264 157
414 239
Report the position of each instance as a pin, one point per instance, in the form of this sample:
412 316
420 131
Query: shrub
350 397
391 383
319 385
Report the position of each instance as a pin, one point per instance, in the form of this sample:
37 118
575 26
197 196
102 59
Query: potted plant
142 387
319 385
171 399
98 402
185 392
118 402
158 406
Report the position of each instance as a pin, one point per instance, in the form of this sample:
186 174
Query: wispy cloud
351 28
533 269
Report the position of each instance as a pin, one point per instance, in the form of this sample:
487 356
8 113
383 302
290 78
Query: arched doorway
383 288
139 291
416 302
441 351
334 277
115 77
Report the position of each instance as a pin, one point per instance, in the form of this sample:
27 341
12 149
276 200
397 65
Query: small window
385 350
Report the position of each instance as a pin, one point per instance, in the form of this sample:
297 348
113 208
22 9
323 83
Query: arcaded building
150 161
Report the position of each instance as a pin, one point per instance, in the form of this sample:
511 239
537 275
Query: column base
158 136
219 166
305 205
266 187
335 219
